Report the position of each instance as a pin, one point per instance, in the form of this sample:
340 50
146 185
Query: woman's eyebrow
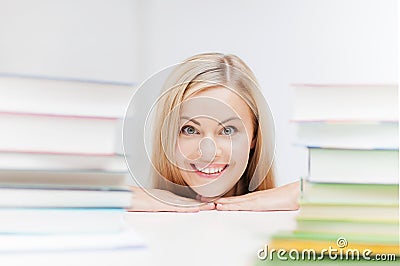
229 119
219 123
190 119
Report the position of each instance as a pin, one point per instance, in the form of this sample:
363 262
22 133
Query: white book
23 196
61 220
23 132
61 162
349 135
353 166
63 97
340 102
71 178
122 240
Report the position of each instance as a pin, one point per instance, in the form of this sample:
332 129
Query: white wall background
88 39
290 41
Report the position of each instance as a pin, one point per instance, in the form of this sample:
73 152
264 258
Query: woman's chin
208 192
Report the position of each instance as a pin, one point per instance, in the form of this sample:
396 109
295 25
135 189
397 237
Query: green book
389 229
339 193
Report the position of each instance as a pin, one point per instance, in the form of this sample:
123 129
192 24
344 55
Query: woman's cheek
187 148
241 142
240 150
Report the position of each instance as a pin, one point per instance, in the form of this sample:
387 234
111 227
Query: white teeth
211 170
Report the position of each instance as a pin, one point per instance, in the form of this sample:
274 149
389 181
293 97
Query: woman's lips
210 171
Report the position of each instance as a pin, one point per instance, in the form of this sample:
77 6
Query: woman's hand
163 200
282 198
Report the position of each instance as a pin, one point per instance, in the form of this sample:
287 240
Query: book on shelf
51 196
61 220
345 102
60 134
348 135
43 95
353 166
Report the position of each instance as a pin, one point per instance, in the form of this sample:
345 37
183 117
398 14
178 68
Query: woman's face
215 138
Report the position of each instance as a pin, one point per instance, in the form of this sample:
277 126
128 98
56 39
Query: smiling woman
214 142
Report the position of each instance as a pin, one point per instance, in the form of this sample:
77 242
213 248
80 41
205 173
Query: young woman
213 145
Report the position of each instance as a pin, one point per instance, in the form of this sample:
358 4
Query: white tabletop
208 237
204 238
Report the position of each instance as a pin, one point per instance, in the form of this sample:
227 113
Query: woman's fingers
234 199
207 206
243 205
236 206
156 200
248 202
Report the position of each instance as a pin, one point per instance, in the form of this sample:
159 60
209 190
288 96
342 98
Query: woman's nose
209 149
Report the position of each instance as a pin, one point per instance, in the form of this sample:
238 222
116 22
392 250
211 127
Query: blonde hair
198 73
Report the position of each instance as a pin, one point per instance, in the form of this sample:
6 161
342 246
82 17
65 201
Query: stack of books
350 198
62 170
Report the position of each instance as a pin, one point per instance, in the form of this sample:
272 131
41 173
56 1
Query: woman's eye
189 130
228 131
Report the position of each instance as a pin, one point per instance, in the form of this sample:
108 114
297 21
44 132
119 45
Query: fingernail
211 204
219 205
